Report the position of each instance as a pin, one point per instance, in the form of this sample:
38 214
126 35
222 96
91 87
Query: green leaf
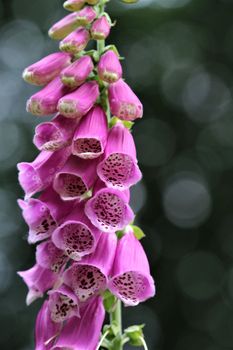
138 233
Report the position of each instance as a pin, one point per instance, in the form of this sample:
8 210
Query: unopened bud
74 5
64 27
78 103
76 41
109 67
45 70
76 74
100 29
45 101
86 15
92 2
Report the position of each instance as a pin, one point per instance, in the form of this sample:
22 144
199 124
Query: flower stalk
89 259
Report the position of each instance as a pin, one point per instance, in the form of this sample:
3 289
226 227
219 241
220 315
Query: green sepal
135 334
126 123
94 54
112 329
109 301
138 233
120 234
113 48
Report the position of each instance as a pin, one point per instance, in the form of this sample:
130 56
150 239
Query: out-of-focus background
179 60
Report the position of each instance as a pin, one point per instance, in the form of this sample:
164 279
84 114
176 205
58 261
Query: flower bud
45 101
92 2
129 1
76 74
79 102
109 67
86 15
64 27
74 5
45 70
76 41
100 29
124 103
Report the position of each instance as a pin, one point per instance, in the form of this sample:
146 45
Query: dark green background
179 59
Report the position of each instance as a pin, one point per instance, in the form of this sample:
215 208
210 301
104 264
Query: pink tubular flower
90 276
38 281
78 103
54 135
50 257
43 214
45 101
46 329
131 280
38 175
76 41
76 74
109 67
64 27
86 15
100 29
75 178
90 137
124 103
63 304
76 236
45 70
83 333
119 168
74 5
108 209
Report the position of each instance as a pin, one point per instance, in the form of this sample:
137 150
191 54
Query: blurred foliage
179 59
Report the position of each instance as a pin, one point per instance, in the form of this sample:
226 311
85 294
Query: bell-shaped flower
100 28
50 257
83 333
109 67
108 209
86 15
64 27
75 41
75 179
90 137
38 281
74 5
76 236
119 168
45 101
55 134
45 70
90 276
63 304
131 280
77 73
124 103
38 175
43 214
46 330
79 102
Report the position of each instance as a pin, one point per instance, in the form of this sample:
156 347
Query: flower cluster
77 189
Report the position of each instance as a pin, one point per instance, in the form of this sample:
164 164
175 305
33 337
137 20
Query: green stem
144 343
115 316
